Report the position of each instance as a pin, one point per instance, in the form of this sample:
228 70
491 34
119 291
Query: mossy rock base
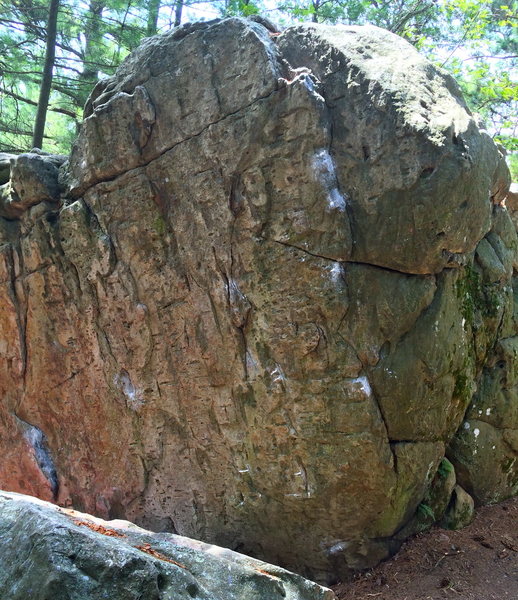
460 511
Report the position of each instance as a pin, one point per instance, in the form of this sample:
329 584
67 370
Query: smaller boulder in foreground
54 553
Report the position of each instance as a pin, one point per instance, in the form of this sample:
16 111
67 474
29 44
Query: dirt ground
479 562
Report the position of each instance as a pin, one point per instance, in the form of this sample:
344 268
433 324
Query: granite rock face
278 291
68 555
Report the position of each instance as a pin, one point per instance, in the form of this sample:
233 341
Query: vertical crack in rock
240 309
325 172
15 265
239 305
207 56
37 440
145 116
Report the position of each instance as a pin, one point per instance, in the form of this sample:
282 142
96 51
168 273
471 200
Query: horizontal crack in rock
80 191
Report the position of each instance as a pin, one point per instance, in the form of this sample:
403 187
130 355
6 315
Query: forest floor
479 562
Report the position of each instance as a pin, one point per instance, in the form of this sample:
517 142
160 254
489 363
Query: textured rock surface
30 179
263 307
460 510
47 552
5 166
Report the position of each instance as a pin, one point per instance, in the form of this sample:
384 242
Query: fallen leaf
98 528
148 550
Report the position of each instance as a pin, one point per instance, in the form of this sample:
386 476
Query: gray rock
33 179
460 510
434 503
48 552
5 166
269 25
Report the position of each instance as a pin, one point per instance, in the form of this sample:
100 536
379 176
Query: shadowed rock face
259 315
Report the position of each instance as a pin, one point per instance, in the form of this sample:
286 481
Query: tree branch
7 129
57 109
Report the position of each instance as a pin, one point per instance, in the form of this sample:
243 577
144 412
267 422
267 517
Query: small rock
459 513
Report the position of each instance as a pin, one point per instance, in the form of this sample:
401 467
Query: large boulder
47 552
279 275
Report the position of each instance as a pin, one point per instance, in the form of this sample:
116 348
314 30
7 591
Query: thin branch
496 57
464 37
7 129
57 109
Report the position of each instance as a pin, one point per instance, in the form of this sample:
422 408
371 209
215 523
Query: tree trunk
152 16
93 39
316 7
178 13
48 69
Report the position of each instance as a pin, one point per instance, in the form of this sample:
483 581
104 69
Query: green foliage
93 38
244 8
425 511
479 46
476 40
512 161
409 18
445 468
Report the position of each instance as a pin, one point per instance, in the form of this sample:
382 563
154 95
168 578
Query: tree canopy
52 53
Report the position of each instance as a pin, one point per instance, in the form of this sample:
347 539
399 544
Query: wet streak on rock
35 437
